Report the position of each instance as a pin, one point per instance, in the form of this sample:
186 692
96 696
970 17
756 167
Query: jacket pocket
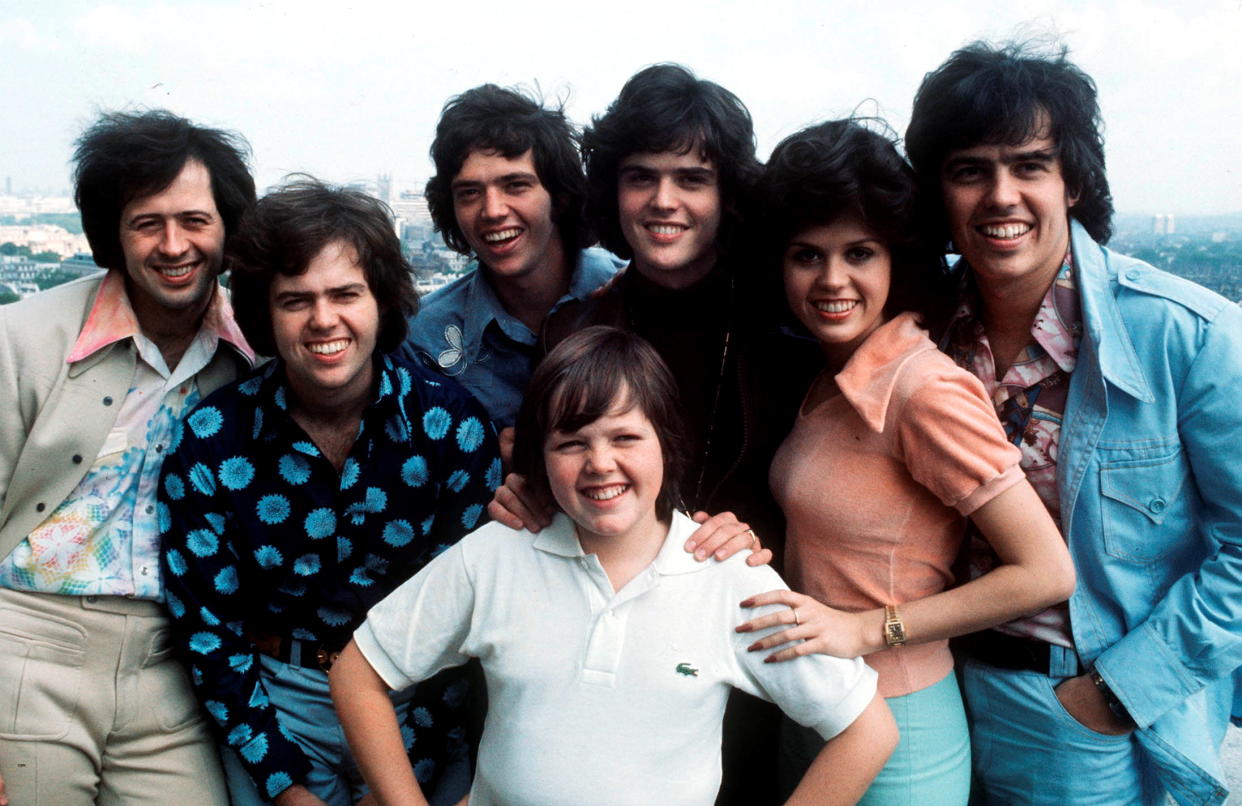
1139 495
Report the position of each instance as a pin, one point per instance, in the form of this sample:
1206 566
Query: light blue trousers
931 765
302 699
1029 751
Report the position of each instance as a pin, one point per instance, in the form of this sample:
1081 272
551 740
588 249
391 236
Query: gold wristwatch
894 627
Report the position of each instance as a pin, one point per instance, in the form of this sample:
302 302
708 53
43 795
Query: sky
347 90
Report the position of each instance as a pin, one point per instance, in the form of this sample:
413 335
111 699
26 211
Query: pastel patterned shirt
1030 401
103 538
262 535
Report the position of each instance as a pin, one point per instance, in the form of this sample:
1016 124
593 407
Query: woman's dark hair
289 227
1008 95
510 123
844 168
665 108
130 155
580 381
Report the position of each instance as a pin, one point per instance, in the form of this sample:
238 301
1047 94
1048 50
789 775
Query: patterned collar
1055 331
112 319
271 389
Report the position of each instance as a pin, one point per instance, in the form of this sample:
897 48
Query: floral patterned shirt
103 539
1030 401
262 535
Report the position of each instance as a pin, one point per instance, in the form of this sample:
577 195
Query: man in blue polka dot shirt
299 496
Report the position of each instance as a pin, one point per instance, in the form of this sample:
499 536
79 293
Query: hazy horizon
348 91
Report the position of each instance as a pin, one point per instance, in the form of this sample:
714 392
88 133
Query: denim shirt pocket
1140 492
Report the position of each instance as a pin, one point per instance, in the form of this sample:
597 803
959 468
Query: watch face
895 633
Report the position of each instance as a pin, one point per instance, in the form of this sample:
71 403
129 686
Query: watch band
1115 705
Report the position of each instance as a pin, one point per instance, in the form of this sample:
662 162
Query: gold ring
797 623
754 538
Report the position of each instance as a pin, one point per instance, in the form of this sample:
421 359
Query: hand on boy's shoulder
721 536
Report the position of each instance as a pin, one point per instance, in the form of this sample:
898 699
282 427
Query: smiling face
506 215
173 242
1008 209
669 206
607 475
325 322
837 279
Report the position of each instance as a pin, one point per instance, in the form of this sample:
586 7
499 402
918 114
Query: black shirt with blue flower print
262 535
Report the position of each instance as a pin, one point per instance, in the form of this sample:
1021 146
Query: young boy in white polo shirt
608 651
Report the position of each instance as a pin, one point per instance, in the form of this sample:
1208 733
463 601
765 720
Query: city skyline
351 91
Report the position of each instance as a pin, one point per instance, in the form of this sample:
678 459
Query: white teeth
503 235
606 493
1006 231
665 229
836 306
176 271
328 347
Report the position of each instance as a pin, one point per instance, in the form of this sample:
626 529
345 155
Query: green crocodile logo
687 670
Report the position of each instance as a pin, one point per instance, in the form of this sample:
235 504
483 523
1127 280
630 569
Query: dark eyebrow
1038 155
516 176
179 214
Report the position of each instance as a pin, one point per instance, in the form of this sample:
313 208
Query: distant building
19 269
43 238
1163 224
80 264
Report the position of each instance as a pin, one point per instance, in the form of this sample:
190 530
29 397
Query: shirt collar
112 319
870 375
271 389
560 539
1057 326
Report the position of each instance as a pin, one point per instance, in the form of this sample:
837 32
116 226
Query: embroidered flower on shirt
450 358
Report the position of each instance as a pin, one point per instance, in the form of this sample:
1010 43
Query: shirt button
92 599
1132 274
1157 505
77 458
159 447
150 509
39 507
144 570
107 401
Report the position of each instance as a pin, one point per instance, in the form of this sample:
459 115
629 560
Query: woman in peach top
893 448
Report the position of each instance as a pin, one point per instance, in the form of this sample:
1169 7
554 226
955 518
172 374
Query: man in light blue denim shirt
508 189
1120 384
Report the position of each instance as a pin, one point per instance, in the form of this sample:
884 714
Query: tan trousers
95 710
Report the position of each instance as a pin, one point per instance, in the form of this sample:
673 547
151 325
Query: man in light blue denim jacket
1120 384
509 190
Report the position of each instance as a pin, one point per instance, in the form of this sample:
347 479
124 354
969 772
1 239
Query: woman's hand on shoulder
722 535
815 627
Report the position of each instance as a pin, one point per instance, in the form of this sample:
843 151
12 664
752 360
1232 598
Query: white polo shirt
598 696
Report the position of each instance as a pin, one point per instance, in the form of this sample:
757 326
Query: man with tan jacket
99 372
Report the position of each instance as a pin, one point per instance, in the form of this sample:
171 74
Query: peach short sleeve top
875 483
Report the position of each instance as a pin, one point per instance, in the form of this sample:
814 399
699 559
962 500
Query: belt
295 652
1005 651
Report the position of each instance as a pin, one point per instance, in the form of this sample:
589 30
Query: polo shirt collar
560 539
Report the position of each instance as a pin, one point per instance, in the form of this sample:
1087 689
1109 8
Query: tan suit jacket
58 414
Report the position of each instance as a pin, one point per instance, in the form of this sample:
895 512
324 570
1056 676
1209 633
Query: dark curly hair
579 382
130 155
289 227
1009 94
846 168
666 108
510 123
